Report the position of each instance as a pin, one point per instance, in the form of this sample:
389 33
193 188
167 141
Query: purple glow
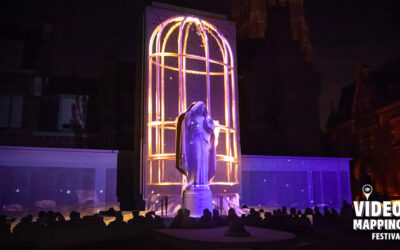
189 59
52 178
276 181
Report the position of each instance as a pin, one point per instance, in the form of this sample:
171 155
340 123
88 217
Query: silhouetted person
118 222
334 212
109 212
206 219
217 218
5 233
75 217
187 221
243 219
74 228
42 218
117 228
176 223
135 217
158 222
318 218
346 210
253 219
137 220
327 213
308 211
23 232
232 216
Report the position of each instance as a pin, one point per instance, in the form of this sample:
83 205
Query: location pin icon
367 190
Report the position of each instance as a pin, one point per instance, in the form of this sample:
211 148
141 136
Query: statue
196 157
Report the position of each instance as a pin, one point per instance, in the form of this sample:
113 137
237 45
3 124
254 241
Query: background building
366 127
71 72
278 88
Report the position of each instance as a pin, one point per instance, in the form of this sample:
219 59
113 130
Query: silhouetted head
308 211
284 210
150 215
206 213
60 217
27 219
118 216
252 211
3 218
42 215
74 215
135 213
180 212
186 213
215 213
292 211
50 215
231 211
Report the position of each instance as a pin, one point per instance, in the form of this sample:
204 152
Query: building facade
366 127
278 89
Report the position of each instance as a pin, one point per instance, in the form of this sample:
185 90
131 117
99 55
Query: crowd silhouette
51 230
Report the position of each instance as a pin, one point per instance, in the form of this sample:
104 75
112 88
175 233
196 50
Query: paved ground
214 237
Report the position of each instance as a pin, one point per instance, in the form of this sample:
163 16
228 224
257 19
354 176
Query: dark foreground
329 230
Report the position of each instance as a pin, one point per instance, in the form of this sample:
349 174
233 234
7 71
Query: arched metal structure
189 60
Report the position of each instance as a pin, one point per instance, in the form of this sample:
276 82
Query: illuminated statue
188 59
196 156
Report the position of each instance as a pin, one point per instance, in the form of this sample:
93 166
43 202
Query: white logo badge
367 190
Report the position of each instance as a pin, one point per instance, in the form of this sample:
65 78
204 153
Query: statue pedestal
197 199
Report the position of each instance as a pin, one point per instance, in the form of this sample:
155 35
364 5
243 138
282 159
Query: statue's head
199 108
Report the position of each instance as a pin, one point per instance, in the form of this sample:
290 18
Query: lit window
11 111
71 108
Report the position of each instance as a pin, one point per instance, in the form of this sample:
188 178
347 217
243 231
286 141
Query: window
395 131
372 130
71 108
11 111
65 112
363 139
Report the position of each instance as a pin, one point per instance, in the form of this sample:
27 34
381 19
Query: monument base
197 199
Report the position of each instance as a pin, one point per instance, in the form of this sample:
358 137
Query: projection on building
189 58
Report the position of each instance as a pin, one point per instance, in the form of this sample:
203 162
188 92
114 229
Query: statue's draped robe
195 147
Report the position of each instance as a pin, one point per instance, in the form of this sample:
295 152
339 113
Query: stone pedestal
197 199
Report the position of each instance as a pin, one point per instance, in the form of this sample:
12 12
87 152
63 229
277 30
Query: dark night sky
343 32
